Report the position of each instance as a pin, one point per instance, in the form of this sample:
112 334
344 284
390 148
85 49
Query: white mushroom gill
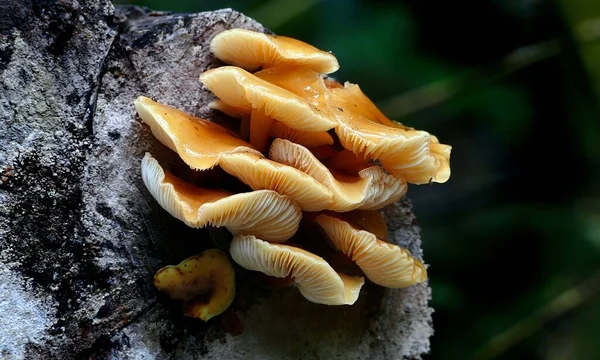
275 217
313 276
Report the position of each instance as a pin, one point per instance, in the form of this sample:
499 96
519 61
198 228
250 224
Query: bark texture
80 237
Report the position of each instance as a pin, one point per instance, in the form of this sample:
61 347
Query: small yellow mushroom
205 282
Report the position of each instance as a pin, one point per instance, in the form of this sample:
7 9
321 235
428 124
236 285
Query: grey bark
80 237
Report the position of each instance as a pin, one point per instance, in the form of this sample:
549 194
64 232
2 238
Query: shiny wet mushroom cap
265 213
415 155
251 94
210 273
277 129
383 263
313 276
248 165
200 143
252 50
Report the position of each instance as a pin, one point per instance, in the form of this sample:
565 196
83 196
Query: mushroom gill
252 50
362 128
383 263
264 213
260 173
371 188
313 276
237 158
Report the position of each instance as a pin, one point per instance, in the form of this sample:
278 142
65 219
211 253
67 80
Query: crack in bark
102 343
90 115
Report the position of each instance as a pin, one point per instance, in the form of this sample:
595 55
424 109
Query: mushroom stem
323 152
369 220
346 161
245 127
260 127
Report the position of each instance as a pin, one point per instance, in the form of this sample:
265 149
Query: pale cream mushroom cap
383 263
265 213
252 50
314 277
370 189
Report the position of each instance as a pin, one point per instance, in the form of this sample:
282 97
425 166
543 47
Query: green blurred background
513 239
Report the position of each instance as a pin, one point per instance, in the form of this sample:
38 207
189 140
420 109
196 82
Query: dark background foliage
513 239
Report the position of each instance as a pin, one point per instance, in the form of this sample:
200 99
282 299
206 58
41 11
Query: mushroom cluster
318 156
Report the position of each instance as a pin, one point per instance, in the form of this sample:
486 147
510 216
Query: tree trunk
80 237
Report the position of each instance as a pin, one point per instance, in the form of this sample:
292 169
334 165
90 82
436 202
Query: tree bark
80 237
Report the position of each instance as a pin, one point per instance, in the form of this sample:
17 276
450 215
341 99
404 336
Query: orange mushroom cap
310 139
278 129
383 263
346 161
243 162
403 151
264 213
241 89
200 143
252 50
314 277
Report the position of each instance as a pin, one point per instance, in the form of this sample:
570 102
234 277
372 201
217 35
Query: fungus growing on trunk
331 152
